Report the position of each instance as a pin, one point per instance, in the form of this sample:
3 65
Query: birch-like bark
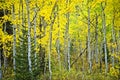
49 54
50 48
14 39
89 49
68 54
65 51
67 40
104 37
29 36
43 63
50 38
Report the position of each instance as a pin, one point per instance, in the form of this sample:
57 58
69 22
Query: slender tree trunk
49 53
5 60
67 41
68 54
29 36
14 39
104 36
50 38
82 58
89 49
42 49
92 52
65 51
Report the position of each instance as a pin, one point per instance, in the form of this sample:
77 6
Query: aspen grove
59 39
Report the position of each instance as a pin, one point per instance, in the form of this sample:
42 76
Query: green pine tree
22 70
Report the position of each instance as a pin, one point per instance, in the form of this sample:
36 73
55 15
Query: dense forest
59 39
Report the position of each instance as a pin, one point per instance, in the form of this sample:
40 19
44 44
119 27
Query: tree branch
80 54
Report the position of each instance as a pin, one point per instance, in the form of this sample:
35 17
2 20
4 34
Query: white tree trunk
89 49
58 40
50 38
68 41
29 36
49 53
104 36
65 51
14 39
68 54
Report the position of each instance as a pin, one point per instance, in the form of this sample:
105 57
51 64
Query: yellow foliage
7 44
5 17
114 72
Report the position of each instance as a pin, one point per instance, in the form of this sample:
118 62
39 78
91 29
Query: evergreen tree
22 70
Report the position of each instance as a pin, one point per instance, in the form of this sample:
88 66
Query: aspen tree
67 40
104 35
113 38
68 36
54 13
88 44
29 36
58 39
14 39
